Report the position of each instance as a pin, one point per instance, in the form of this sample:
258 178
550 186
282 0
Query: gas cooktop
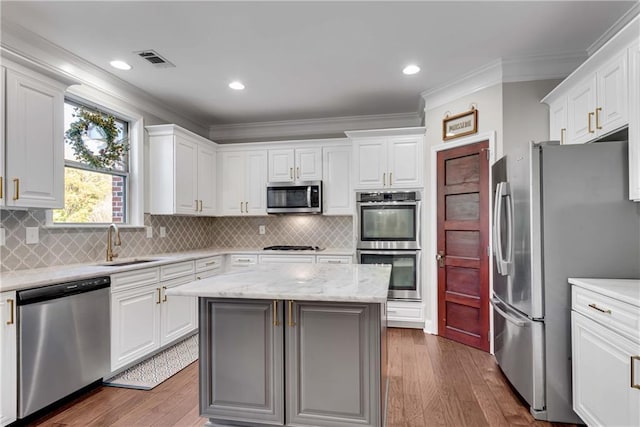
292 248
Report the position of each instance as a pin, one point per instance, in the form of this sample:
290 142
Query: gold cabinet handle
275 313
298 173
291 173
200 205
1 188
241 211
164 288
246 207
159 295
211 263
390 178
563 135
440 258
633 372
11 319
384 179
196 205
589 122
601 310
598 118
16 185
291 322
198 278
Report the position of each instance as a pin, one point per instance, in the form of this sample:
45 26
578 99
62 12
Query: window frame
135 176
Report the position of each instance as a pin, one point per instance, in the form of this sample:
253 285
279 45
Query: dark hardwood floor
432 382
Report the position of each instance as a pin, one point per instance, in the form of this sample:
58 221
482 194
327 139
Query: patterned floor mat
151 372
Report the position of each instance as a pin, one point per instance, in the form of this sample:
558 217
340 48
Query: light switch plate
149 232
3 238
163 231
32 235
262 229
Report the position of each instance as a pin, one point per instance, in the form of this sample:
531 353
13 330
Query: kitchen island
293 344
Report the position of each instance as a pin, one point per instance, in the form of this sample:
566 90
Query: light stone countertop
302 282
625 290
32 278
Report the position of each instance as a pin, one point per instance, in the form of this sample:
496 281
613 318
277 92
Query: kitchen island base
293 363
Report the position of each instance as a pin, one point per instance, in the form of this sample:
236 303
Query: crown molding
506 70
49 56
309 128
615 29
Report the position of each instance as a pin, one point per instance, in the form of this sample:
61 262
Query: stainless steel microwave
294 197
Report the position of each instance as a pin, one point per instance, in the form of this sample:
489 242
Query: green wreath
77 134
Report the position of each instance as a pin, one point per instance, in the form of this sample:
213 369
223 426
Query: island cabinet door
241 362
332 364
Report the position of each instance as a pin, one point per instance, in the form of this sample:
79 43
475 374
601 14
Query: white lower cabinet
280 259
409 314
143 318
605 359
8 361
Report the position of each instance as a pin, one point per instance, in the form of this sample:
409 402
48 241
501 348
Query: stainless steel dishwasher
63 341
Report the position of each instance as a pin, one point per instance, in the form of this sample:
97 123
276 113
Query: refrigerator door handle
507 195
497 234
496 306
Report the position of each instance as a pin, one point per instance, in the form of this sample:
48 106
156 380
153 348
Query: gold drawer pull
291 322
275 313
563 132
164 288
601 310
633 371
211 263
159 296
1 189
598 118
589 122
16 184
11 319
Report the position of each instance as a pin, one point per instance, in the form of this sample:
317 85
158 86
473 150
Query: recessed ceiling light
411 69
120 65
236 85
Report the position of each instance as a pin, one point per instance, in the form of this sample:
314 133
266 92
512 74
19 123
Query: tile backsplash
59 246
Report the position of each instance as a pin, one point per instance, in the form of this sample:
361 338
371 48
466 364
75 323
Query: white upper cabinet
337 190
33 145
182 172
558 120
243 179
388 158
295 164
599 104
8 358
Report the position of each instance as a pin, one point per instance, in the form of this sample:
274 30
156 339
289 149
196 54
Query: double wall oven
388 232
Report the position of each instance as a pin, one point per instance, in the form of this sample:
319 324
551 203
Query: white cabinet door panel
308 164
186 158
232 179
581 112
256 182
337 186
8 359
135 324
612 95
207 180
558 120
281 165
34 142
178 313
371 163
405 162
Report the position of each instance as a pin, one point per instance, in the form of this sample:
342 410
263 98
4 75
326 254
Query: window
94 195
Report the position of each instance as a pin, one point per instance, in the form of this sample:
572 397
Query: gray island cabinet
293 345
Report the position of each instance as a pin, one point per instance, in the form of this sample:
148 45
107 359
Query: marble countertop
25 279
302 282
625 290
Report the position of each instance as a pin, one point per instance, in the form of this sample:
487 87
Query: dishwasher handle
47 293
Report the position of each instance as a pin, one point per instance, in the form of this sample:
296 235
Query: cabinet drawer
242 260
207 273
330 259
135 278
171 271
280 259
405 311
210 263
621 317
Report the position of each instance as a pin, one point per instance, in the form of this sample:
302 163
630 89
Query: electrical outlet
3 238
149 232
163 231
262 229
32 235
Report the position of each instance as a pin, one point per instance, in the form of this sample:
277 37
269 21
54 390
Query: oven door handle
404 203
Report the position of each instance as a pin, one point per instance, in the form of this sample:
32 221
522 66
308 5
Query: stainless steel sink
123 263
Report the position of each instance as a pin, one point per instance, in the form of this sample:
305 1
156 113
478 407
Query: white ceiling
303 60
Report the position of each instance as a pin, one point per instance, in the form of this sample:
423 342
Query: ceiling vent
154 59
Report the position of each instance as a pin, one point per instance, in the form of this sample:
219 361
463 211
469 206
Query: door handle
390 178
633 371
291 173
275 313
16 185
159 295
515 321
503 195
11 308
440 257
291 322
598 118
1 188
589 122
196 205
246 207
200 205
298 173
497 232
563 132
384 179
164 288
308 196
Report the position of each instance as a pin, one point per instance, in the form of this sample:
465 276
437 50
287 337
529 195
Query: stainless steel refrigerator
560 211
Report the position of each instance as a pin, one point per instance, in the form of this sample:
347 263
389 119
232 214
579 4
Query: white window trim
136 166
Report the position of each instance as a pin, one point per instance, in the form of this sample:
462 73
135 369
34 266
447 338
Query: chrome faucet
110 243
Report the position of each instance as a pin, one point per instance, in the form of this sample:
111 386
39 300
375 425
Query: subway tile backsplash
59 246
